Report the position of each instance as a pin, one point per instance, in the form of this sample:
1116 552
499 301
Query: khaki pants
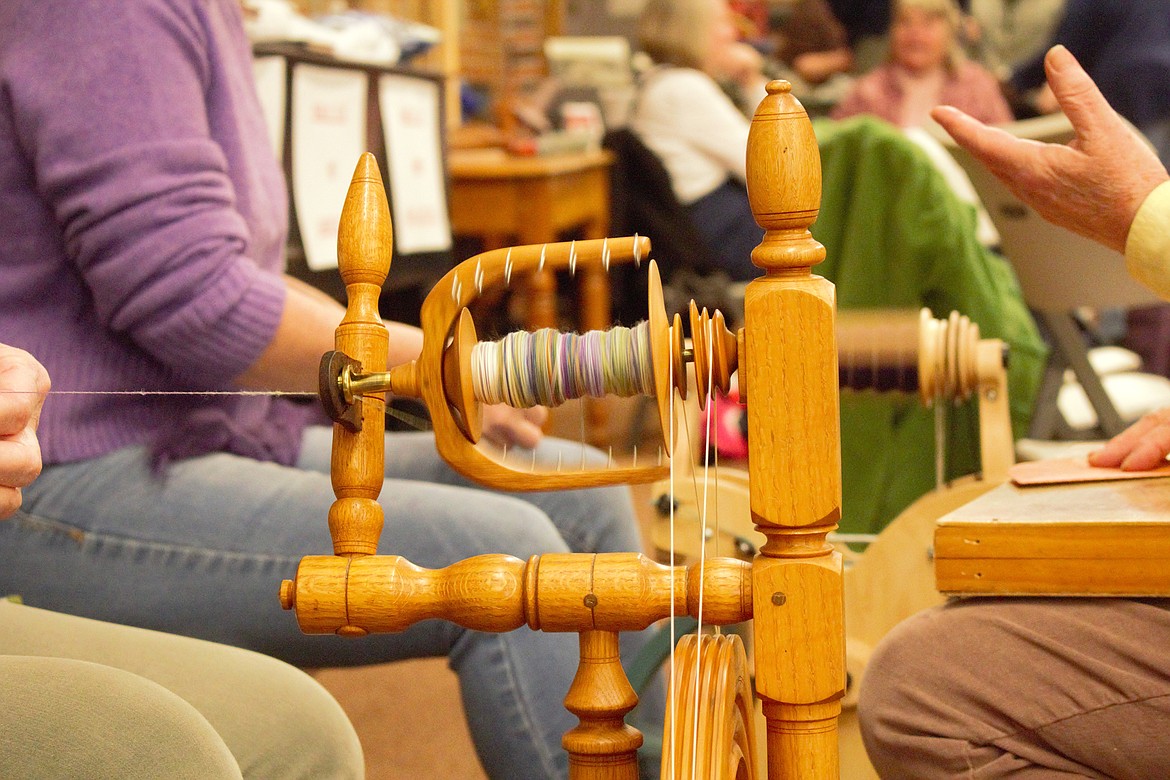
1022 688
85 699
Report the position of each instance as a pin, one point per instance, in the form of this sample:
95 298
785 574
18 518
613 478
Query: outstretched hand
23 385
1094 185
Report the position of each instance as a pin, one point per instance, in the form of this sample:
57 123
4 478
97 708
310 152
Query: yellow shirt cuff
1147 248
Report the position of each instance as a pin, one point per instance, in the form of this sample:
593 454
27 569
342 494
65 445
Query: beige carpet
408 718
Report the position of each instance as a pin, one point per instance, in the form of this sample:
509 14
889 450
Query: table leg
542 300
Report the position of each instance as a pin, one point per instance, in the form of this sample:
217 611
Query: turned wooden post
602 746
788 371
364 249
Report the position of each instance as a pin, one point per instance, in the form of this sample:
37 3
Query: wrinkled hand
510 427
1094 185
23 384
1143 445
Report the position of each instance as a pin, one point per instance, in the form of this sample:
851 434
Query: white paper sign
270 86
329 135
410 122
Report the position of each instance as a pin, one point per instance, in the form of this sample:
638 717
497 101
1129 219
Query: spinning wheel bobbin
713 353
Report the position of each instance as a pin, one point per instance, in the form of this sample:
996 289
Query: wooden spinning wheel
791 590
710 720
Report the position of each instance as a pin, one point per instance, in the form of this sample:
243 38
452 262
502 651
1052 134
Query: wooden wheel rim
719 709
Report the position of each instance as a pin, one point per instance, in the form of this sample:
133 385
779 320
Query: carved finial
784 181
365 239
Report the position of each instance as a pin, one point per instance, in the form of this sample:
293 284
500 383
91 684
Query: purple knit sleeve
129 158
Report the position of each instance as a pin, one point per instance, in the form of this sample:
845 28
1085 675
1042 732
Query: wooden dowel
558 592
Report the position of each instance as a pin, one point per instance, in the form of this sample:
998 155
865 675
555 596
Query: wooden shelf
496 44
444 59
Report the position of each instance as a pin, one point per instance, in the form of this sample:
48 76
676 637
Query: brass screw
779 598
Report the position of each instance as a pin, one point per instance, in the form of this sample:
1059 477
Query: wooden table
504 199
1092 539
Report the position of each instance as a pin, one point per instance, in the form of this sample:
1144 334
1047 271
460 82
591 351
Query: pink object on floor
728 429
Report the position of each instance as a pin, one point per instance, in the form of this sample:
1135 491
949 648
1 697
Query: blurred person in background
925 68
700 135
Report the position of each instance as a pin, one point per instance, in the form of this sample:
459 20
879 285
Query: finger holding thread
20 409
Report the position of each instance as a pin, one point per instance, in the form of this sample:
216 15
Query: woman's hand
506 426
23 385
1142 446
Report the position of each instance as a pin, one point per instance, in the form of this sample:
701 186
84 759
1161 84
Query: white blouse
689 122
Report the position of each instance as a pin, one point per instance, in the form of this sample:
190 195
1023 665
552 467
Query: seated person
92 699
1124 46
1044 687
145 226
1004 34
925 68
700 135
811 42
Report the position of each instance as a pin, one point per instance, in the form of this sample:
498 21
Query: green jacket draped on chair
898 237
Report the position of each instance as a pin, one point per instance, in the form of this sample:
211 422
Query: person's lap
724 218
105 695
1026 687
201 550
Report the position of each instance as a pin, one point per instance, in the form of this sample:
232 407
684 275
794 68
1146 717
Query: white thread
164 392
703 549
670 671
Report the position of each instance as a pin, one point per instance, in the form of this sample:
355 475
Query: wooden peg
556 592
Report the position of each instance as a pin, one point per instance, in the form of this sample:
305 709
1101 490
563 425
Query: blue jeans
202 549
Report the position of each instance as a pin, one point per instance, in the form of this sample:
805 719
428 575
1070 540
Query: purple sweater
142 224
